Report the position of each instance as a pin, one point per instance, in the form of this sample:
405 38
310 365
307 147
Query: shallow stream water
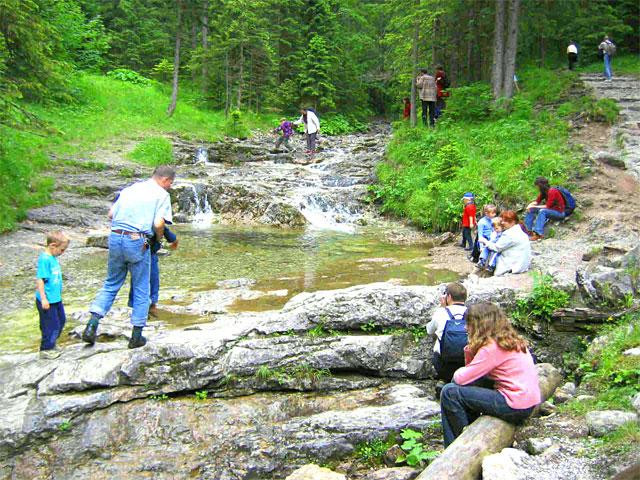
282 262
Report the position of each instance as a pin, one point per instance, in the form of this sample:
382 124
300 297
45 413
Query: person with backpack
549 204
497 353
607 49
447 325
572 54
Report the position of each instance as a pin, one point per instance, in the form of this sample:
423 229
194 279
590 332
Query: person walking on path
309 119
49 294
286 127
427 89
608 49
549 204
572 54
496 352
451 308
140 211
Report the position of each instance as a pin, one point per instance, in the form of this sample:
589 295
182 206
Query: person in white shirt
309 119
452 305
513 245
572 54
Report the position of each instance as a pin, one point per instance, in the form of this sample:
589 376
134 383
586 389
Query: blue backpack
569 201
454 338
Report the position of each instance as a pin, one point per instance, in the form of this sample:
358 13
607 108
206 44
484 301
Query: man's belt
131 235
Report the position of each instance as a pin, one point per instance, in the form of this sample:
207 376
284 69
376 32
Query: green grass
104 109
153 151
622 65
493 151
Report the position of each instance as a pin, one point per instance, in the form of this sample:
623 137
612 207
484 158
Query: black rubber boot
137 340
89 334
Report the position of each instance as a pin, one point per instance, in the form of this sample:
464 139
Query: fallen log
462 460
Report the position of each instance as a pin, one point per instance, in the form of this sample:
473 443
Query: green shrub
341 124
470 103
372 452
415 450
129 76
542 302
235 125
153 151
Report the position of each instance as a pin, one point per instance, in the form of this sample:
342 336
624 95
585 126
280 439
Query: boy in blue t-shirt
49 294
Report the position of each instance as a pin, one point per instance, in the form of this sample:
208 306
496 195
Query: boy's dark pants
444 370
431 108
51 324
467 241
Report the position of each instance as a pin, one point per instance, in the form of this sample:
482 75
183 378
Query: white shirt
515 251
439 320
572 49
140 206
312 125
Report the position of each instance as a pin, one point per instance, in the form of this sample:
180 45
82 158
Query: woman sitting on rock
495 352
513 246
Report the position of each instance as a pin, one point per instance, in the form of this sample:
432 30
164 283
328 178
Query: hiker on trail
497 352
513 246
406 113
49 294
140 211
426 85
549 204
468 220
450 339
607 48
441 83
311 127
286 127
155 245
572 54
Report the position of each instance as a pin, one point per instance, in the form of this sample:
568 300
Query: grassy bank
103 109
492 151
622 65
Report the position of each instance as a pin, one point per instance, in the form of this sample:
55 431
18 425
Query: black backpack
454 338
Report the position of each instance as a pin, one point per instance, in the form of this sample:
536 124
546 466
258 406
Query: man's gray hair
164 171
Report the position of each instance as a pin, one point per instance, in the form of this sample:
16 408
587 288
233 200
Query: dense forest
69 70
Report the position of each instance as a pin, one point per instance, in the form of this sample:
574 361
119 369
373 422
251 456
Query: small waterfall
203 215
323 212
202 155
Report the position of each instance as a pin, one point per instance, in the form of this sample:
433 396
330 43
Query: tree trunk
462 460
497 75
194 45
511 50
205 46
414 58
240 76
176 62
227 98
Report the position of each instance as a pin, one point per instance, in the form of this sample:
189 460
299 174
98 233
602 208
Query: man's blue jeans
541 216
461 405
154 282
607 66
126 255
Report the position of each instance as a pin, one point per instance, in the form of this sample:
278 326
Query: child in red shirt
468 220
407 108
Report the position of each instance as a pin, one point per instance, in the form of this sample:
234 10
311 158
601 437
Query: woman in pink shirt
495 352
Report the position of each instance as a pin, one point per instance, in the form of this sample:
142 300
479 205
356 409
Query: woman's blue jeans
461 405
126 255
607 66
541 216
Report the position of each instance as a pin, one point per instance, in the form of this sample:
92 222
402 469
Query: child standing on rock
468 220
286 127
49 294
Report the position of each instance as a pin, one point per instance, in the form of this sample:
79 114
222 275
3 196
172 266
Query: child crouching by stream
497 353
49 294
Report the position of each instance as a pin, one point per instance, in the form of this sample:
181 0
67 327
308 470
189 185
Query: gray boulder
395 473
509 463
610 159
599 284
536 446
565 393
602 422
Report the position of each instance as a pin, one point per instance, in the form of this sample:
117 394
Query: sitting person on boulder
513 246
488 258
549 204
495 352
447 326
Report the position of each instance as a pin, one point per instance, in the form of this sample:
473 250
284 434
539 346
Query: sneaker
535 237
89 334
49 354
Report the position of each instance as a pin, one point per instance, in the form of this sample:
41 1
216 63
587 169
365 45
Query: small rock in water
506 464
314 472
536 446
396 473
236 283
604 421
565 393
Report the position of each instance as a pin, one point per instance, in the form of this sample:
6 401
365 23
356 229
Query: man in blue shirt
140 211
